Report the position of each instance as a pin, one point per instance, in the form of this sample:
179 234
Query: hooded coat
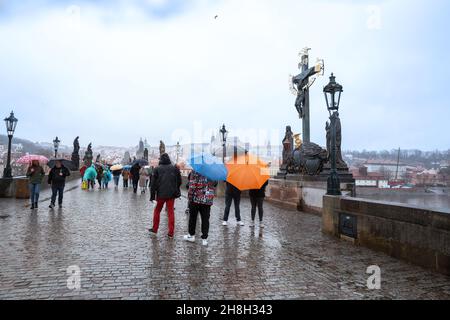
107 176
90 173
166 180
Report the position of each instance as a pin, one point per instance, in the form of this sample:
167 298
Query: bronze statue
146 154
88 155
339 160
76 145
75 155
288 147
302 82
162 147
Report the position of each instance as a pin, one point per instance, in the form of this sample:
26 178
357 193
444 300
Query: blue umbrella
209 166
126 168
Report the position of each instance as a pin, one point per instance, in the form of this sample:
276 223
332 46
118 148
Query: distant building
363 178
387 168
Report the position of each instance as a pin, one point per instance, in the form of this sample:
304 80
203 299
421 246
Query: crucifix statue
300 85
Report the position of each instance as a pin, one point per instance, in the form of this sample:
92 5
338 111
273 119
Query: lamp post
178 150
332 92
56 145
224 133
11 123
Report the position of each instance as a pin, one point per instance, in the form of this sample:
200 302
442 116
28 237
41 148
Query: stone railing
417 235
18 187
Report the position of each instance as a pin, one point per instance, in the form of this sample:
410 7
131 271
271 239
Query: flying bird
216 17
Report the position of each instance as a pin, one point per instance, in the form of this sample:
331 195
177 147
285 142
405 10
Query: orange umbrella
247 172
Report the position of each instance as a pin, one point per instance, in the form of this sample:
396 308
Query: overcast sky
114 71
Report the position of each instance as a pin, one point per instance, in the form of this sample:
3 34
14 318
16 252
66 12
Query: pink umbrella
30 157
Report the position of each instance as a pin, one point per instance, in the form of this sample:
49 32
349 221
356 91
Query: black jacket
166 180
135 171
232 190
57 176
116 173
259 193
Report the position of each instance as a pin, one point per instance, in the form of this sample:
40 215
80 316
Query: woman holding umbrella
57 180
116 172
201 195
36 174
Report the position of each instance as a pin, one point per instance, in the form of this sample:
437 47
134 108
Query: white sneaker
224 223
261 224
252 224
241 223
205 242
189 238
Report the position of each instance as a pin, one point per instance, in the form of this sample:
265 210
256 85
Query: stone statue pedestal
76 161
305 192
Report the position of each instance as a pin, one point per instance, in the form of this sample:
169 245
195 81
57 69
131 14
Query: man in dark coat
135 175
165 188
57 180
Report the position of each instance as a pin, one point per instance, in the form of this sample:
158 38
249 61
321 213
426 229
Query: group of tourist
137 176
165 188
56 179
164 182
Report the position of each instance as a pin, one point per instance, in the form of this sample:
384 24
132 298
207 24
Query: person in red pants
165 188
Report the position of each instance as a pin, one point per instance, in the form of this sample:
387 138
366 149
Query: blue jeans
116 181
34 192
57 190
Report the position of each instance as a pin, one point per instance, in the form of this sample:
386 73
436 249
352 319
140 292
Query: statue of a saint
88 155
75 155
76 145
288 146
146 154
162 147
339 160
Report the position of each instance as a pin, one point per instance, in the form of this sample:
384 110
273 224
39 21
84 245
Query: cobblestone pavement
103 232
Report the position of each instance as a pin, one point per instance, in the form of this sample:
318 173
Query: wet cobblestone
103 232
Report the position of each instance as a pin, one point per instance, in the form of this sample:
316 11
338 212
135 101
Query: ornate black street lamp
11 123
224 133
332 93
56 145
178 150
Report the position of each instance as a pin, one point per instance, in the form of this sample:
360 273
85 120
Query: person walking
82 171
90 175
125 176
232 194
135 176
143 176
165 188
130 179
57 180
35 174
116 176
257 199
201 196
107 177
99 175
